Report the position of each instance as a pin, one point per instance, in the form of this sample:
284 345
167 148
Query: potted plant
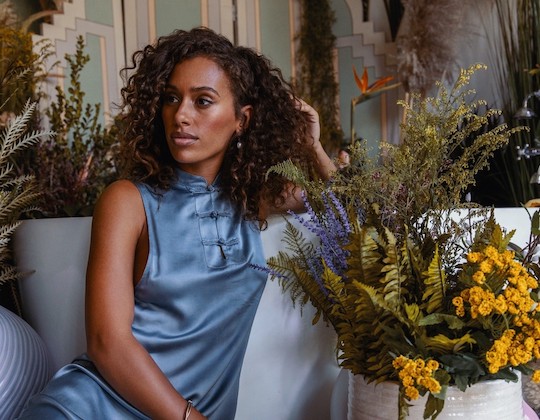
424 291
71 169
26 365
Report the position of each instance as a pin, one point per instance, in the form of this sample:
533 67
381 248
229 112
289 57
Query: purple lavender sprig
332 229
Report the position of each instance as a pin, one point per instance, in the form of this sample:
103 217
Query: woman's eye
204 102
170 99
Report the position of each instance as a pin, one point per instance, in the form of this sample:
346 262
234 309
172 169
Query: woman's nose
183 114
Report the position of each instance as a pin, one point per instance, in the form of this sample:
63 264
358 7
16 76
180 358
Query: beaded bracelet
188 409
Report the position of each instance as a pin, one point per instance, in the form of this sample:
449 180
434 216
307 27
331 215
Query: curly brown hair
277 130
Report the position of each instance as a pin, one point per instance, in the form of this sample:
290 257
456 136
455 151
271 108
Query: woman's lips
183 139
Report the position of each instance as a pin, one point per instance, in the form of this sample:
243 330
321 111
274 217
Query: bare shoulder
120 203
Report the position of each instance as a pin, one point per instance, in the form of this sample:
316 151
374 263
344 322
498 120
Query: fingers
314 128
308 109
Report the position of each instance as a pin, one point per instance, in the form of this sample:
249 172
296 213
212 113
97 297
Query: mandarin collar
193 182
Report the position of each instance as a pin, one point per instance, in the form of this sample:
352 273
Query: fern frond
380 302
435 284
8 274
18 202
15 129
6 230
444 345
6 173
32 138
365 260
290 171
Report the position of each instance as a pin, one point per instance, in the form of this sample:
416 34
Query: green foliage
21 68
74 167
18 193
316 82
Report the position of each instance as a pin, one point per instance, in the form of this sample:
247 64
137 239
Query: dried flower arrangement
403 273
428 47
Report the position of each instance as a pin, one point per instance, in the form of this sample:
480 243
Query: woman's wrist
187 411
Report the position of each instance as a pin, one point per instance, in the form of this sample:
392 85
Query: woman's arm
117 237
325 166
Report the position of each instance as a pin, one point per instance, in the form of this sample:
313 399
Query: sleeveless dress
194 307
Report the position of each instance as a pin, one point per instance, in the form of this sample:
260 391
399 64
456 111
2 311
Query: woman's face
199 116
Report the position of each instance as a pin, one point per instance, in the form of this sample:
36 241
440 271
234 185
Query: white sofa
290 366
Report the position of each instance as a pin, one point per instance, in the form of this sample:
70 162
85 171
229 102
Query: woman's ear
245 117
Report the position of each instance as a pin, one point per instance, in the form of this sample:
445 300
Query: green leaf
433 407
464 368
435 284
535 223
453 321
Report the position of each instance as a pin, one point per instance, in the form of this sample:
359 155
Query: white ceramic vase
24 364
55 253
487 400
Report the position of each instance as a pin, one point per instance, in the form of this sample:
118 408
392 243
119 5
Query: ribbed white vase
487 400
25 366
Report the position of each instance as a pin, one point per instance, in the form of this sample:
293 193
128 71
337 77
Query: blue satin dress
194 308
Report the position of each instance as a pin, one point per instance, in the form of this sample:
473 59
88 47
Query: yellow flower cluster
516 348
514 299
520 342
482 302
417 373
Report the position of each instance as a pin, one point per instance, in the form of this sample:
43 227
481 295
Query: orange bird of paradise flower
376 87
368 91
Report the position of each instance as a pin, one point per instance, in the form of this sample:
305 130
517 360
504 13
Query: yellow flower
491 252
507 257
536 376
458 303
479 277
486 266
432 364
485 307
521 285
473 257
399 361
532 282
529 344
407 381
432 385
412 393
500 304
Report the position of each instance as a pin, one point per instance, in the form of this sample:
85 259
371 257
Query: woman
171 289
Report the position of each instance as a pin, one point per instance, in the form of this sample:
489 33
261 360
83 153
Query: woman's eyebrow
194 89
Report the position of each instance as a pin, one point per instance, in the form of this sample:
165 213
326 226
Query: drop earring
239 140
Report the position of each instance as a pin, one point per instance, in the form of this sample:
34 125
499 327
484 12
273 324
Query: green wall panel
99 11
275 34
91 77
171 15
343 24
367 115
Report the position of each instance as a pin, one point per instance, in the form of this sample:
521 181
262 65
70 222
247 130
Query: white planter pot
55 252
487 400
